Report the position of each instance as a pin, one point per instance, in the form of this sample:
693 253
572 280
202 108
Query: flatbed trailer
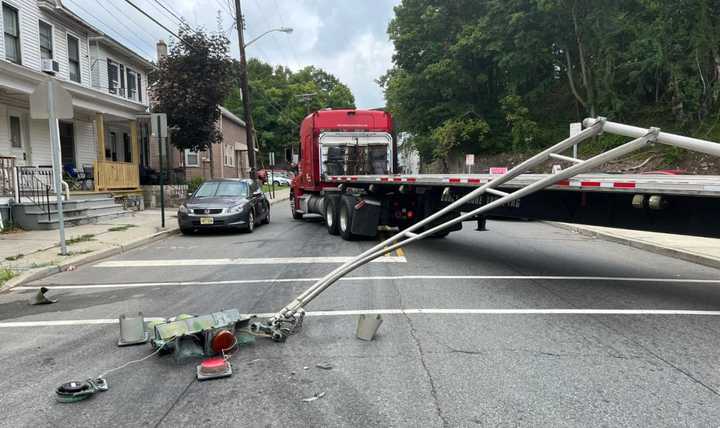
430 205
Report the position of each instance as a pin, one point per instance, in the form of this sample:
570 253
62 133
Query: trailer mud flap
444 219
366 217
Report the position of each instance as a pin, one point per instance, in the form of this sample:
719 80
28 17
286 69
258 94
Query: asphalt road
500 355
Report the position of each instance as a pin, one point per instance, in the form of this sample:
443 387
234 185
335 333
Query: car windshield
234 189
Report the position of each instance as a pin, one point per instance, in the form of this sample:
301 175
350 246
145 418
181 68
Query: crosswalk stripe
241 261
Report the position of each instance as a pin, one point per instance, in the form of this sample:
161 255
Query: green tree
278 108
190 84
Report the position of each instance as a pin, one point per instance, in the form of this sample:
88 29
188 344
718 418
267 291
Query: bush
194 183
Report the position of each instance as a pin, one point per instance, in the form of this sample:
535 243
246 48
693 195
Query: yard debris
70 268
306 368
40 299
367 326
324 366
314 397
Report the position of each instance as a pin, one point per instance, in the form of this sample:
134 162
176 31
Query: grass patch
75 253
43 264
6 275
121 228
81 238
15 257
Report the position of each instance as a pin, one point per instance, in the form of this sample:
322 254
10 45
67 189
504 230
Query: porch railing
34 185
116 175
7 175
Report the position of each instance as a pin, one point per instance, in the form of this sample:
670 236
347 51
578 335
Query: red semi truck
347 174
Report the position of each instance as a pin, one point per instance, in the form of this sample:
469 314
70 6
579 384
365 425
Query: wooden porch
111 175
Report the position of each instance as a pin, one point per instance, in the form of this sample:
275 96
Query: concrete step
77 221
70 206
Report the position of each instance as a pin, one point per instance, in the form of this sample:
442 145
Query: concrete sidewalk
31 255
704 251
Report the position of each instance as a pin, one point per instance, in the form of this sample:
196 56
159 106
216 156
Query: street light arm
281 29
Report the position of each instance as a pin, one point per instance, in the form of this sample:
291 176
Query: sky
346 38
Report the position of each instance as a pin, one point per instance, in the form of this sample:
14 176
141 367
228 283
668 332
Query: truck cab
344 142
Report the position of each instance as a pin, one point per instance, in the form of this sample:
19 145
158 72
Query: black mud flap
366 217
447 217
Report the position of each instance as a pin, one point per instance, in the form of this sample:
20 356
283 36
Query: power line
170 11
118 34
153 37
156 22
162 12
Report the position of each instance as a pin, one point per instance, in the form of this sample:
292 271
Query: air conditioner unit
49 66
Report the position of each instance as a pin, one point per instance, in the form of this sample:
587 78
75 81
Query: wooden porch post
135 150
100 129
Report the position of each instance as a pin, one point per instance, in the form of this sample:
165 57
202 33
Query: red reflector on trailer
624 185
590 184
411 180
410 214
454 180
563 183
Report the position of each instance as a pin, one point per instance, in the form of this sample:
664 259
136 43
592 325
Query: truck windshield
222 189
356 153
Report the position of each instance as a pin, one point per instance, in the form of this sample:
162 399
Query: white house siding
60 49
85 142
29 14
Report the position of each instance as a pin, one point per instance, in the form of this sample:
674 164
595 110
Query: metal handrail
34 188
292 313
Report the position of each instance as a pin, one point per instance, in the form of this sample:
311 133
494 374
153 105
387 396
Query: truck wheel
331 216
296 215
345 217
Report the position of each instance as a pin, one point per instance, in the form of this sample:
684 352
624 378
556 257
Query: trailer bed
688 185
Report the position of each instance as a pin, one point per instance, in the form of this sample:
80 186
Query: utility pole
245 88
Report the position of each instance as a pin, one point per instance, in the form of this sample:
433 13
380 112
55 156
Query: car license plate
206 220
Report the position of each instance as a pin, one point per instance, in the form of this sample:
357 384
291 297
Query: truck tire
331 215
295 215
345 218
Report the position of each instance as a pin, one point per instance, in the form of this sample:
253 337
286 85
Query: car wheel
266 220
331 216
251 222
345 218
296 215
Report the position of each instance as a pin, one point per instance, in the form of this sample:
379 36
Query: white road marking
17 324
240 261
379 278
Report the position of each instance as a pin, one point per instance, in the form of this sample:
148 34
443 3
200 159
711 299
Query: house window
11 26
15 133
191 158
127 148
131 84
113 76
229 155
111 149
46 41
74 58
121 92
139 88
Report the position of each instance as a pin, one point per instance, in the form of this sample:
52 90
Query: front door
18 137
67 144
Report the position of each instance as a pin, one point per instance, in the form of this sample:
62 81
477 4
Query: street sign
40 104
158 127
575 128
272 158
469 160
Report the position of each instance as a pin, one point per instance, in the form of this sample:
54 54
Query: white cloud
346 38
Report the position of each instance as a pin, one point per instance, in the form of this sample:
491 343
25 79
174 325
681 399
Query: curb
40 273
642 245
278 200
